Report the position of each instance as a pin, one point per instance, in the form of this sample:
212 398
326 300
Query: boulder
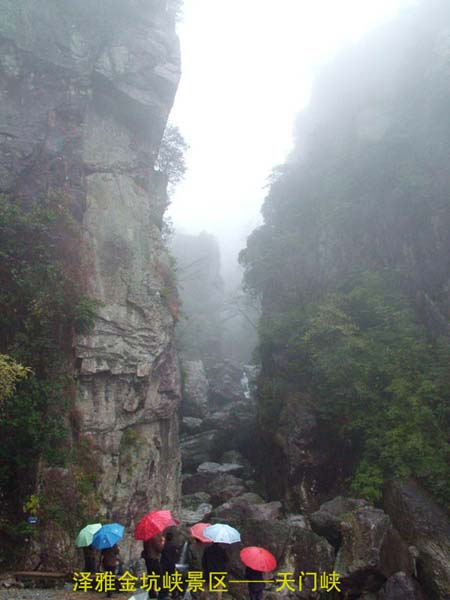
401 587
239 509
232 456
298 521
191 425
294 548
193 500
327 520
425 525
212 467
220 486
272 535
235 457
197 514
371 551
306 552
195 508
253 498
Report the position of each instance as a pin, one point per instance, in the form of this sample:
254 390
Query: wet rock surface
401 587
371 550
346 536
426 526
83 113
328 519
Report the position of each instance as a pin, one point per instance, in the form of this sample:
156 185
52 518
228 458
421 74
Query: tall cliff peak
87 88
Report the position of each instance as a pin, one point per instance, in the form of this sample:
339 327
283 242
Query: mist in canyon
224 269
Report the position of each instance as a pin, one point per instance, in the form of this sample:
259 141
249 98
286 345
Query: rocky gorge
86 90
400 551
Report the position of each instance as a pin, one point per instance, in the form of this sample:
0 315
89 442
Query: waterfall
245 386
183 553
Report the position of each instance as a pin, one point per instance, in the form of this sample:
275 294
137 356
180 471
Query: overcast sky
247 70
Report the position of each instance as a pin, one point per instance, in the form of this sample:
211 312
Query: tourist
89 559
110 562
214 560
152 555
256 586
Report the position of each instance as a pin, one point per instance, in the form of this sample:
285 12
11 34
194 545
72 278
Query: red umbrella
153 523
197 531
258 559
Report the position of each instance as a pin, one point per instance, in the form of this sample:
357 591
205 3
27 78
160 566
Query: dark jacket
89 559
252 574
110 558
215 559
169 557
153 565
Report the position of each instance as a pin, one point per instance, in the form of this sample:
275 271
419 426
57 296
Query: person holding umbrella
106 540
84 540
110 562
200 542
257 562
89 559
215 559
152 555
150 530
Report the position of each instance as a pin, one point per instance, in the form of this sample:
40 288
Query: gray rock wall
86 89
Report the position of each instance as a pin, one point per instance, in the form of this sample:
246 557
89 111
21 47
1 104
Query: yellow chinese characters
194 582
217 581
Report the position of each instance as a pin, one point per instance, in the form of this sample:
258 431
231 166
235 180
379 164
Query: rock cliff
86 91
356 223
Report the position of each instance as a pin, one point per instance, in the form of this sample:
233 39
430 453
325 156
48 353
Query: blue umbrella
222 533
108 536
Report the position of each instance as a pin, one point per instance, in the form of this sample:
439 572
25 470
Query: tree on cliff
170 160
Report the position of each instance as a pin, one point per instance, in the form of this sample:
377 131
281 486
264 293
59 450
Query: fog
247 71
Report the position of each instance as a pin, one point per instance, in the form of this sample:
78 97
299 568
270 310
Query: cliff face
86 92
352 268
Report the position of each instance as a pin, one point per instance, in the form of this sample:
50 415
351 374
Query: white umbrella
222 533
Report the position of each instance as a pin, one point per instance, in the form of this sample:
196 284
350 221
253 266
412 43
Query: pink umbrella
154 523
197 532
258 559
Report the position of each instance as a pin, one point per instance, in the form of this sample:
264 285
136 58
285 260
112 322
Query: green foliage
31 505
11 373
131 443
32 425
170 159
41 298
42 305
84 314
377 380
382 384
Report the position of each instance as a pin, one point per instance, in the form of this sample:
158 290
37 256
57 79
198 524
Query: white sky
247 70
